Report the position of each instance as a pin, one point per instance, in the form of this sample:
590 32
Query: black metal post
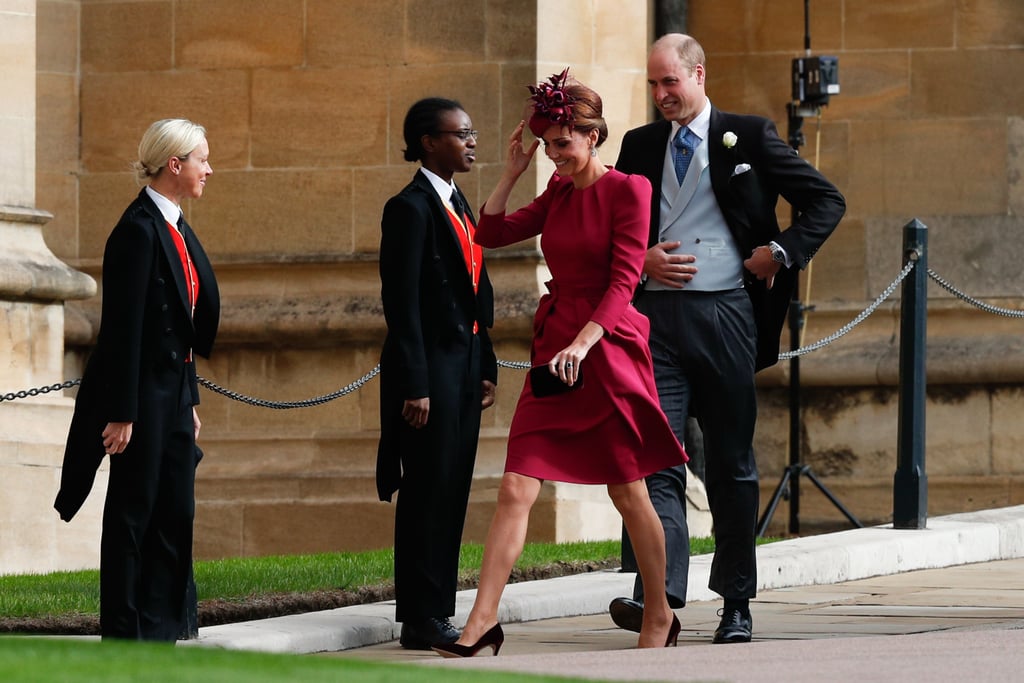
910 485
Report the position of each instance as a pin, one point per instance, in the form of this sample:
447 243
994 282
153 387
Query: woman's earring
593 151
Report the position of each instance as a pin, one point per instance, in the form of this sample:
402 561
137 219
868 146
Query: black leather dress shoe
422 634
735 627
627 614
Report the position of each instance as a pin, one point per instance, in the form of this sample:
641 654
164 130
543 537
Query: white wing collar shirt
444 188
168 209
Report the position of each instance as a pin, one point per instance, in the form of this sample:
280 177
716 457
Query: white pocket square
740 168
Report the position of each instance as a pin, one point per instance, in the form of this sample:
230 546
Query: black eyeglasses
460 134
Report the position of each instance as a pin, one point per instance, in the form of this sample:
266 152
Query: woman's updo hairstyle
163 140
424 118
588 111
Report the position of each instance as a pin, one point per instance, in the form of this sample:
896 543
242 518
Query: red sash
191 276
472 253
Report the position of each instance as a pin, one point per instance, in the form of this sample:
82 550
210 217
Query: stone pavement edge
947 541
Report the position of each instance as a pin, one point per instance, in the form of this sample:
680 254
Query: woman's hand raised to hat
517 161
519 157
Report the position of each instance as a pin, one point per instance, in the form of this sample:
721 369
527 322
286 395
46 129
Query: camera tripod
791 475
789 484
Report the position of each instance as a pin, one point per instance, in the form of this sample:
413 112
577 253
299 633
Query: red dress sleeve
630 225
501 229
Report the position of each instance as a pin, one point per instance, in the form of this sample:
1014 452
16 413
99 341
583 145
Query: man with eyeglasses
438 369
463 135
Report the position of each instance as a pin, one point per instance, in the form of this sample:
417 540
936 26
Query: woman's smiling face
569 151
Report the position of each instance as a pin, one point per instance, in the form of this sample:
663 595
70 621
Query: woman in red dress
593 222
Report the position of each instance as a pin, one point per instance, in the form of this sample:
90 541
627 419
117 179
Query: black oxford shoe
627 614
735 627
422 634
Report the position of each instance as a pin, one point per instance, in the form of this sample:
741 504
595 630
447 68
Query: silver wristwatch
778 255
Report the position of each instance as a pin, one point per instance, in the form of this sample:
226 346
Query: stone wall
304 99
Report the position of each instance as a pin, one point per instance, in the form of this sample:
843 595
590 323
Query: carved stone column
34 285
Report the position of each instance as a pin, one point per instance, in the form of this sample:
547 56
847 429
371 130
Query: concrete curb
828 558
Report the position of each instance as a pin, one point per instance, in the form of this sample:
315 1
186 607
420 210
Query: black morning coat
146 333
430 308
748 203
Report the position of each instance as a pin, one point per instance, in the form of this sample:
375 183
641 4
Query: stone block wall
304 100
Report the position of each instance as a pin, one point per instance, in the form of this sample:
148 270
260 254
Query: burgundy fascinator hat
552 105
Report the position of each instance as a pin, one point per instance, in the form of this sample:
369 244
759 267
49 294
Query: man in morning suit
438 369
718 278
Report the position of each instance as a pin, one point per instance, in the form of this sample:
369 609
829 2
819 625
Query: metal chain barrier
988 308
67 384
286 405
786 355
525 365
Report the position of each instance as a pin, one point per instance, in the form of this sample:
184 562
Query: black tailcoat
145 335
430 351
139 372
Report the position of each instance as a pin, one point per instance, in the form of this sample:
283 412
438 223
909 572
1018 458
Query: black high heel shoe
673 632
493 639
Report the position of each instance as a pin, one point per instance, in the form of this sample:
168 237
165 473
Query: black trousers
704 346
430 512
146 545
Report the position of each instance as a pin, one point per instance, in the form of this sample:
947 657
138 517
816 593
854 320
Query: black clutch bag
543 383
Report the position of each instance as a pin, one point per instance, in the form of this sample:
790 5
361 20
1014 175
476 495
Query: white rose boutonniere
729 139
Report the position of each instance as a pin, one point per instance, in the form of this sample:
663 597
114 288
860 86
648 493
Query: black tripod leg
835 501
774 502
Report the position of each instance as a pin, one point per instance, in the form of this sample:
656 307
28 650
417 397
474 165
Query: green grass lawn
59 660
34 595
54 660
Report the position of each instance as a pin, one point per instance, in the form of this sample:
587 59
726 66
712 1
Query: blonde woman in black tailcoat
136 404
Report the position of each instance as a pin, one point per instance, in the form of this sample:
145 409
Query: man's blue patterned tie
683 145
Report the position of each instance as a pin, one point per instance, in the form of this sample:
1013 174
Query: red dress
612 429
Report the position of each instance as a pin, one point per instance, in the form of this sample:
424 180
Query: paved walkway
827 610
970 619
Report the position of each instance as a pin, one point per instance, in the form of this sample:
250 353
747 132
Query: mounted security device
815 79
